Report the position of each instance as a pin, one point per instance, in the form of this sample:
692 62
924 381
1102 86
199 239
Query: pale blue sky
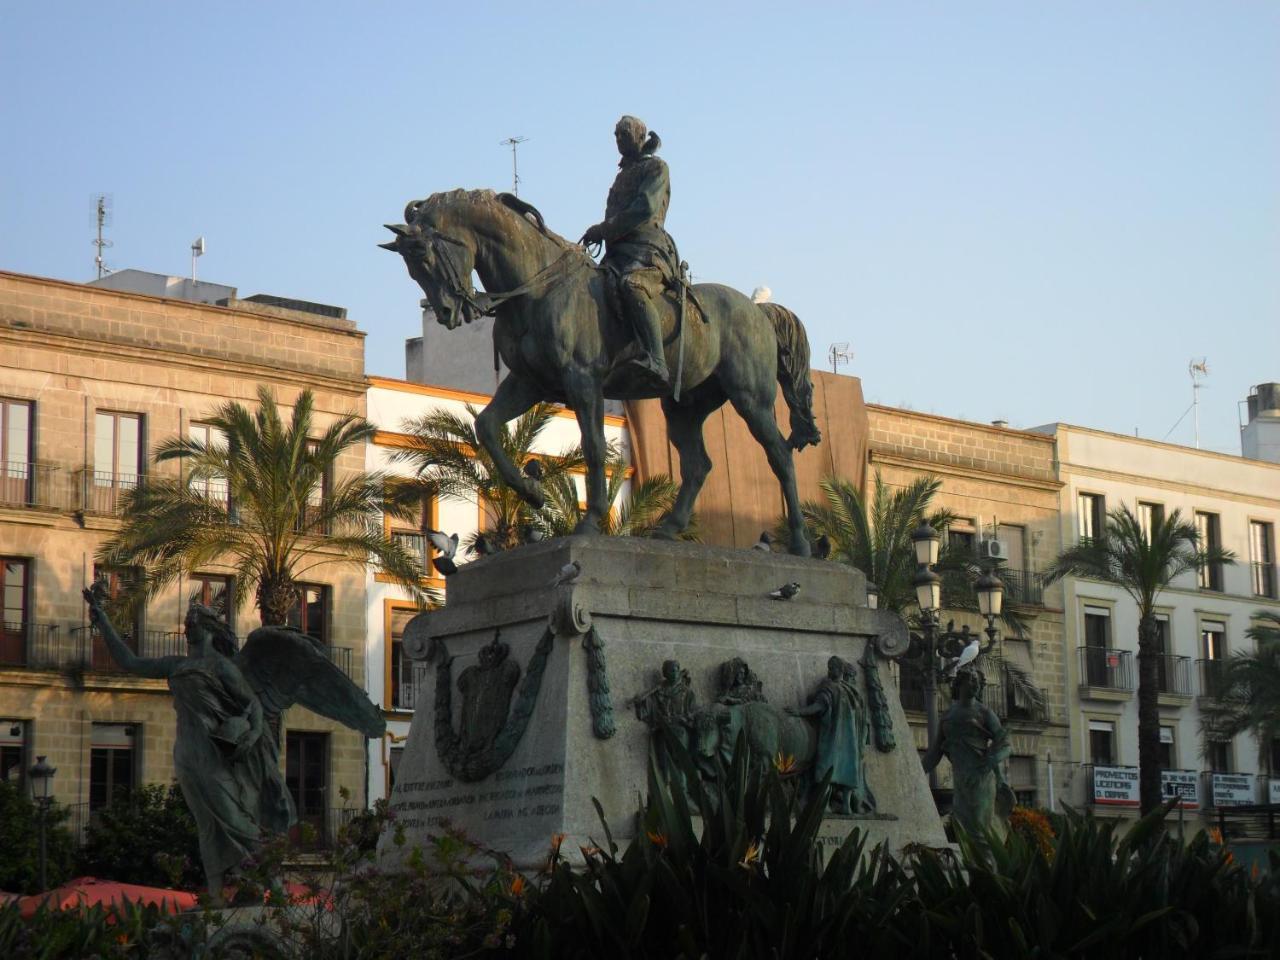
1036 211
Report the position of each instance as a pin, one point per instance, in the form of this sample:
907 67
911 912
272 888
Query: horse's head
440 257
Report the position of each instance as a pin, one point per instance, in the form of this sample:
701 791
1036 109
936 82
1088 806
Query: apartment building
1002 485
393 679
1234 503
91 380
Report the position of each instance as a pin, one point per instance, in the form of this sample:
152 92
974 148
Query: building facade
1002 485
91 380
393 679
1234 503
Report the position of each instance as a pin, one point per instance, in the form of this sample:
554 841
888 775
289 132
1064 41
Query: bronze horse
556 333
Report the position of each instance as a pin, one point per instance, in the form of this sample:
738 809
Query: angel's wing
285 666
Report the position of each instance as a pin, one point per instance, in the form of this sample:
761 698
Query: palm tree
449 461
258 501
875 537
644 507
1143 565
1249 698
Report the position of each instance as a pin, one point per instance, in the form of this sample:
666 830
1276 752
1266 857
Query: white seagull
967 656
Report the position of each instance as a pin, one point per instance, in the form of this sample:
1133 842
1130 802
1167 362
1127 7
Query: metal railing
103 492
77 822
406 694
1259 821
340 657
1213 678
1106 668
27 484
1174 674
416 544
996 697
1022 586
911 688
320 831
1263 576
30 645
92 652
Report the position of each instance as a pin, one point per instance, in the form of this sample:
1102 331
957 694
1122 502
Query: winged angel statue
225 755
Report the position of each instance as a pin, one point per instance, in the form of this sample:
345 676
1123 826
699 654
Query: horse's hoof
663 533
800 547
587 528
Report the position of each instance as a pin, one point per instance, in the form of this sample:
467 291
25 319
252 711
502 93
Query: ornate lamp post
41 780
926 541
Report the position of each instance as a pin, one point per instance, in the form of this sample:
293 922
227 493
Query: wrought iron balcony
27 484
1105 668
94 654
1022 586
1263 576
1213 678
1174 675
340 657
30 645
911 687
102 492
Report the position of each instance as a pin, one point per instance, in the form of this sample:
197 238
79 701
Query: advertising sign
1183 784
1115 786
1273 791
1232 789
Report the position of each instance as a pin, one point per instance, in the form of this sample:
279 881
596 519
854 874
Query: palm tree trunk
277 596
1150 794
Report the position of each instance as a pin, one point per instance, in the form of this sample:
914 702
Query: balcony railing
1213 678
408 691
30 645
996 697
911 688
1022 586
416 544
1174 674
320 831
93 653
340 657
1105 668
102 492
1263 576
27 484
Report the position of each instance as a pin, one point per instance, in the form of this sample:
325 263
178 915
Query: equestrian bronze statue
572 332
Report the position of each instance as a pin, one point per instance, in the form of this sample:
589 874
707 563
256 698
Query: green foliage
147 836
1249 695
274 525
20 842
108 934
636 516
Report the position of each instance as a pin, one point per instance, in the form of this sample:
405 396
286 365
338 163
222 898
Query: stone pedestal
599 642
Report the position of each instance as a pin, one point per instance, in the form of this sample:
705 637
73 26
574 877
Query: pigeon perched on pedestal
533 470
765 543
822 547
786 592
568 574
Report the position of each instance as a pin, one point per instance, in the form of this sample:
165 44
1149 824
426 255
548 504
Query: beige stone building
1003 486
91 380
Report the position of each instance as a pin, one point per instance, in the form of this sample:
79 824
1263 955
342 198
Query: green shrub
147 836
20 842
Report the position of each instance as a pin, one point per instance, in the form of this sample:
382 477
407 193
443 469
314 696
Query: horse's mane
525 213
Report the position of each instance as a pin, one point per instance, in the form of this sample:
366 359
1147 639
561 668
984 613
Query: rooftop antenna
102 204
197 250
513 143
838 354
1199 369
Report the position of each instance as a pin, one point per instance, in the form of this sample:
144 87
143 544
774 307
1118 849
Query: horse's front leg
513 397
586 397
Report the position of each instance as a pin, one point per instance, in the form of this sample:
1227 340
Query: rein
494 300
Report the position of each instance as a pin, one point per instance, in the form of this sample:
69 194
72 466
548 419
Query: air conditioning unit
993 550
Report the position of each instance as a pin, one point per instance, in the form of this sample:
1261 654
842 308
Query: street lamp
41 776
873 596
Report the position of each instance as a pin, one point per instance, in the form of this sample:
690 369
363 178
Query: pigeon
765 543
568 574
533 470
531 534
967 656
444 565
443 545
787 591
484 546
822 547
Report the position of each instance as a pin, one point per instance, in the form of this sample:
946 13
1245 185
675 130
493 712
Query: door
306 766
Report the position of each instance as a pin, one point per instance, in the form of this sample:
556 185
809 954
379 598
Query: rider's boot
641 369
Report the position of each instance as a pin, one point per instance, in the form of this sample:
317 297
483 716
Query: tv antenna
102 210
197 250
513 143
838 354
1199 369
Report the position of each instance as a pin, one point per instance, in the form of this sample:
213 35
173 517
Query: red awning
84 892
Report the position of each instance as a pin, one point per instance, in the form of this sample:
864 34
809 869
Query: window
962 538
311 613
306 774
1097 640
123 609
1262 558
411 533
1209 535
15 452
1273 758
1149 515
214 592
400 669
117 459
1168 758
1102 743
14 595
1022 779
1218 753
1091 515
394 756
1213 646
113 767
315 498
1213 635
1164 666
213 488
13 751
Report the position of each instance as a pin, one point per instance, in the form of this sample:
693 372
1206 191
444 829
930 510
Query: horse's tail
793 374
